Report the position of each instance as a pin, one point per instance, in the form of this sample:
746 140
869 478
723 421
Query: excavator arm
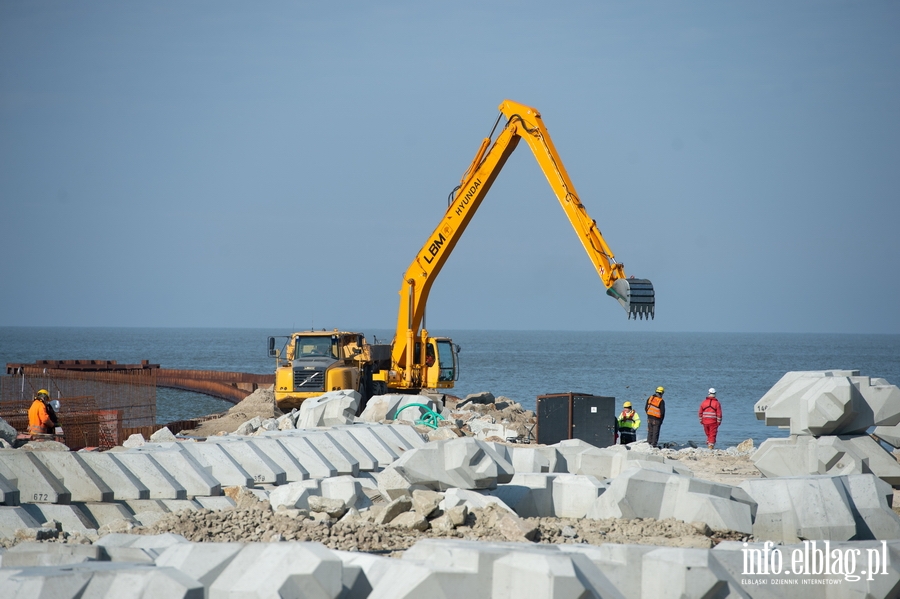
522 123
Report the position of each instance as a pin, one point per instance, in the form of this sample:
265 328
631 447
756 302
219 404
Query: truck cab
311 363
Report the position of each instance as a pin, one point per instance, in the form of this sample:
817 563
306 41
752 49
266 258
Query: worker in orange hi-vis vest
41 417
710 414
656 413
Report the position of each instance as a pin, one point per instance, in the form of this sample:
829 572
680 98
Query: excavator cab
636 296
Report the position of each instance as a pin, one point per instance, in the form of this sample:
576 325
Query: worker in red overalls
710 414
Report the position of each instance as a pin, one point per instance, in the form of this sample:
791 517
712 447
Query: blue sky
222 164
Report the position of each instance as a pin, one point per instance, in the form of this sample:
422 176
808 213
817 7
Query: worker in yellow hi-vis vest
629 421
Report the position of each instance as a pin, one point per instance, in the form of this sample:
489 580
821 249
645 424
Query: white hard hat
55 405
712 391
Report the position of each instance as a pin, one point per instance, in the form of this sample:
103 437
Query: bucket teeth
642 299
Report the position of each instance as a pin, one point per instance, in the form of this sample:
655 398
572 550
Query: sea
519 365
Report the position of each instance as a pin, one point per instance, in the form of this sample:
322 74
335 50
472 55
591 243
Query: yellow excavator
419 361
415 361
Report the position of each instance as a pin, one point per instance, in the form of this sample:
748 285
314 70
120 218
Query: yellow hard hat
660 390
627 404
43 393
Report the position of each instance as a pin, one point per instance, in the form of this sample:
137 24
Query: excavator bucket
636 296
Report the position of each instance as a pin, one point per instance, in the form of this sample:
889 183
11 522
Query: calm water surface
517 364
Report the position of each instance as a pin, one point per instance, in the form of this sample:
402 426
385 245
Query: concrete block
75 475
9 493
530 495
792 509
464 463
278 453
680 572
545 575
124 484
203 562
347 489
574 494
374 444
292 496
870 503
12 518
99 579
123 547
803 455
180 505
566 451
385 407
222 466
31 554
254 461
215 503
70 517
406 435
343 461
640 493
531 459
286 569
101 514
831 402
352 446
472 500
36 483
159 482
361 572
622 565
187 471
332 408
309 457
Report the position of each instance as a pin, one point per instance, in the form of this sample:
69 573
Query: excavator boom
522 123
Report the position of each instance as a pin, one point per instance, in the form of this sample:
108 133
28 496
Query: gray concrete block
622 565
291 496
530 495
836 402
145 549
332 408
305 453
373 443
101 514
203 562
639 493
216 503
574 494
124 484
870 502
343 461
254 461
159 482
792 509
36 483
12 518
803 455
679 572
92 580
472 500
347 489
220 464
27 555
278 453
187 471
463 463
70 517
386 407
549 575
366 459
9 493
286 569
